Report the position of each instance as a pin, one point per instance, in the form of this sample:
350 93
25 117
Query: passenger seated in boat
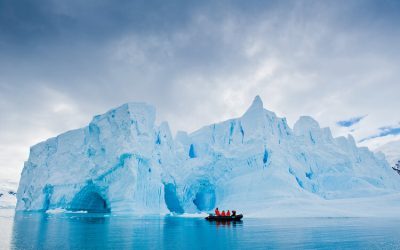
217 212
228 213
233 213
223 213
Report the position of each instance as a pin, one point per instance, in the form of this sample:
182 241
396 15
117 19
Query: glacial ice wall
115 160
123 162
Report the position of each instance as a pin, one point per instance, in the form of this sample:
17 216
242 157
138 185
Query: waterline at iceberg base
123 162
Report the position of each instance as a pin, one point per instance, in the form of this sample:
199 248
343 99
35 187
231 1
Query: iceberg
123 162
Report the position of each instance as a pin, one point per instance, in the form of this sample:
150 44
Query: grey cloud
63 62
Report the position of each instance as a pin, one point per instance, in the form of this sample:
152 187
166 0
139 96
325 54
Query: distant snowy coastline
8 193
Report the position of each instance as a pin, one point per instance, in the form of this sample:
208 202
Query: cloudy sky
61 62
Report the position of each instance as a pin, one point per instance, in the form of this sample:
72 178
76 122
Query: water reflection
226 223
105 231
189 233
44 231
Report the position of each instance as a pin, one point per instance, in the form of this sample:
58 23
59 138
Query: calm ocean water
99 231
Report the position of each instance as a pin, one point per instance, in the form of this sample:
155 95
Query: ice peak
309 122
305 124
256 105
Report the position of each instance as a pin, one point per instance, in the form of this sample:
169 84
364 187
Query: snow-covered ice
56 211
123 162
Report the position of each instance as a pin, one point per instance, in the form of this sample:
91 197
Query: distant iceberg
391 151
123 162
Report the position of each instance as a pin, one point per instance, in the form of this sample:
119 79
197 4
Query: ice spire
254 118
257 102
256 105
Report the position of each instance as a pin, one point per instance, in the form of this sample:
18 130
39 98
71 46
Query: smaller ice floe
61 210
194 215
56 211
76 212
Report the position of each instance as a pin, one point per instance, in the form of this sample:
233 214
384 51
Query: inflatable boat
212 217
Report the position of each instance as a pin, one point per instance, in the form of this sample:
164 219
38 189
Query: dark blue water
98 231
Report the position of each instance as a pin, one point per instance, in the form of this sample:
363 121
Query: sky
197 62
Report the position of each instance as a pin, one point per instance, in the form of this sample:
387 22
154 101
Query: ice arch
205 197
171 199
89 199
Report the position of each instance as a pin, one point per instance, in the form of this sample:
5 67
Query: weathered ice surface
123 162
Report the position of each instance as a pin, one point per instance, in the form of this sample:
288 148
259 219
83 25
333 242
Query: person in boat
223 213
233 213
228 213
217 212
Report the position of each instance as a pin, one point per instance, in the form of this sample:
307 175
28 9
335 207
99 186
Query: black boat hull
224 218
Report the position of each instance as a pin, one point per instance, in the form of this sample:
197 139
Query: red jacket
223 213
228 213
217 212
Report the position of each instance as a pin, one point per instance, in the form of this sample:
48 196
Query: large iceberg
123 162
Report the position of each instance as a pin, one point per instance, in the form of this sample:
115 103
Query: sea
59 231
